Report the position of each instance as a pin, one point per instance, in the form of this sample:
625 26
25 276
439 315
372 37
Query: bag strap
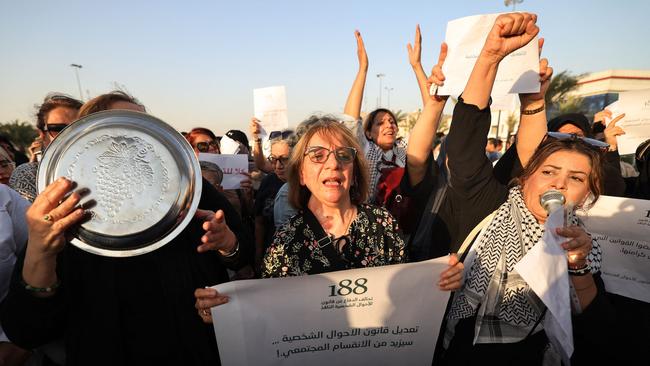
469 240
324 241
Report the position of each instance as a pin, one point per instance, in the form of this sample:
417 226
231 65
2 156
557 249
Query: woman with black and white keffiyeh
495 317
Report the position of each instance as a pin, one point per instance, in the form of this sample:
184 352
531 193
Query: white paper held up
271 109
518 72
544 268
232 167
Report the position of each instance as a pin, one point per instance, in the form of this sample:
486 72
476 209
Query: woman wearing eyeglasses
203 141
55 113
495 317
328 182
6 166
265 197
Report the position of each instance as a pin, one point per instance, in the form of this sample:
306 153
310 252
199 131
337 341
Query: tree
511 122
22 134
558 99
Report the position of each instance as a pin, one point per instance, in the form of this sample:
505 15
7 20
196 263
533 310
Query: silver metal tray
140 178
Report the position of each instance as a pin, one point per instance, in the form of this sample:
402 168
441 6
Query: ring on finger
48 218
205 312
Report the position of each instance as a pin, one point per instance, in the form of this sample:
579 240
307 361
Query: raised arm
415 52
353 104
532 122
258 155
424 131
509 33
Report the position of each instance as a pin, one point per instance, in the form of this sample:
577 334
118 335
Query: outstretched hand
218 235
415 50
509 33
361 51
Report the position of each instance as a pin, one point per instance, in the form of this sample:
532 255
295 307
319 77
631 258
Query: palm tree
557 96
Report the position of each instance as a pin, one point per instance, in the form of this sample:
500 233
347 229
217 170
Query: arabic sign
232 166
622 228
379 316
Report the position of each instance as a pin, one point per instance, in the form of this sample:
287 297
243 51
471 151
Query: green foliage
558 98
21 133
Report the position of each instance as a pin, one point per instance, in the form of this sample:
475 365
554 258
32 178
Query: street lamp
379 76
76 71
388 90
513 3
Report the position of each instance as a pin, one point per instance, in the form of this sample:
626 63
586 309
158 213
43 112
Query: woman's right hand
50 216
254 128
509 33
207 298
34 148
361 51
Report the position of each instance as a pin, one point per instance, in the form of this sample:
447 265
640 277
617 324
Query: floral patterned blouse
373 240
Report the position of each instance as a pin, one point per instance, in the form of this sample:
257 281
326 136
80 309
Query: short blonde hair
328 127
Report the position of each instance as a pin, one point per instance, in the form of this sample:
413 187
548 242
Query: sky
196 63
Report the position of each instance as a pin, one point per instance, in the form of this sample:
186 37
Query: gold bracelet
533 111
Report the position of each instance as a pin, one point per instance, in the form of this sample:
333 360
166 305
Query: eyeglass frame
597 144
284 160
329 152
207 144
49 130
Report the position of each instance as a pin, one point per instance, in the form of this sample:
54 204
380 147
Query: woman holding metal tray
134 306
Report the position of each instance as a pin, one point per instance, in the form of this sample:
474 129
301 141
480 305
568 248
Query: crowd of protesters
365 196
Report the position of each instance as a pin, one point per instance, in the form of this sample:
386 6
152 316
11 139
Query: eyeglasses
55 127
274 159
56 97
603 146
280 135
6 164
205 146
319 154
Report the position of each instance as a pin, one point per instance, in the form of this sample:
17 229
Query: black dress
129 311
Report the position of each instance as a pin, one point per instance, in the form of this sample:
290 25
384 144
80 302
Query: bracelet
233 253
533 111
585 270
31 288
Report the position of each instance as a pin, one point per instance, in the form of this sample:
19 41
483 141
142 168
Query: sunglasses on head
280 135
55 127
205 146
319 154
599 145
282 159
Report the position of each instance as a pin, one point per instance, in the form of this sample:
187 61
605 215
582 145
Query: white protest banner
231 165
518 72
271 109
386 315
622 228
636 123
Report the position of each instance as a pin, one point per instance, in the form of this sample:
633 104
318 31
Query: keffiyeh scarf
379 159
506 308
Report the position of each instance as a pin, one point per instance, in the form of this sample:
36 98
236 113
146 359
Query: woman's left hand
451 278
577 247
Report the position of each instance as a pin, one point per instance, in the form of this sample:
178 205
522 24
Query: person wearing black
121 311
495 318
